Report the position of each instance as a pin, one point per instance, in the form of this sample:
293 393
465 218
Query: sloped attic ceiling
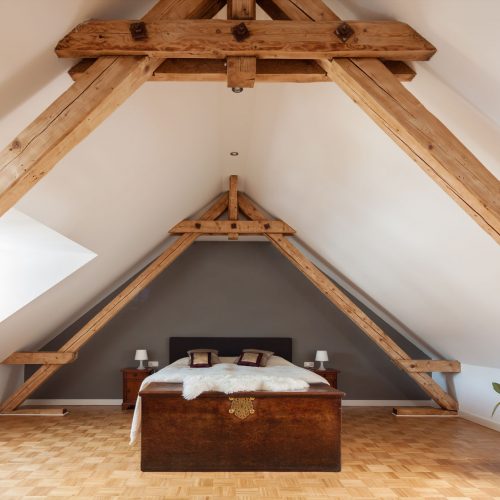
307 154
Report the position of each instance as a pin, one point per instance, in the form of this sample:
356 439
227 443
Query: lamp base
141 365
321 366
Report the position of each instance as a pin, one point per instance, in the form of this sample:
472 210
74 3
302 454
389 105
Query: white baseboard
113 402
75 402
485 422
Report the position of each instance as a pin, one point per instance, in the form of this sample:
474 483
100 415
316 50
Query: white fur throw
194 385
278 375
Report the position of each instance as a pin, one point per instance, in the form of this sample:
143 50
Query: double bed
287 418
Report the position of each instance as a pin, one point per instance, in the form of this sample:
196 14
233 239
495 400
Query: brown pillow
200 359
215 354
250 359
266 355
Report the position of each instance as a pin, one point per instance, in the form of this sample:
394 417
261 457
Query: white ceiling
307 154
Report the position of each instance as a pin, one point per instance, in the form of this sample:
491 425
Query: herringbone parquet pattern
86 455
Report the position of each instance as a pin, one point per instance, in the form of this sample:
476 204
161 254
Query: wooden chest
254 431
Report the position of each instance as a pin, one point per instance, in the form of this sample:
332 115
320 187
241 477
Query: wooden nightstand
132 380
330 374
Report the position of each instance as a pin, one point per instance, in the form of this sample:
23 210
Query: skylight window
33 259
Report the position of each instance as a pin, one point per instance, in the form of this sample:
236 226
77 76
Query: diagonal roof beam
417 131
80 109
112 308
338 298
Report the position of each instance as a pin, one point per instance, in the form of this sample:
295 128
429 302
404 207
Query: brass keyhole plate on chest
241 407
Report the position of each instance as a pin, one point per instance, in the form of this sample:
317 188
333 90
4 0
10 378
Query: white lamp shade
141 355
321 356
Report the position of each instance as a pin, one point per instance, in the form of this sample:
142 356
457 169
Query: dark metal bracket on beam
240 32
344 32
139 31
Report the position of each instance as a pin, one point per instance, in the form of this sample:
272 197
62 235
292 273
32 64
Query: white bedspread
227 377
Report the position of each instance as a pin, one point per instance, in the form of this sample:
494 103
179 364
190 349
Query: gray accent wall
231 289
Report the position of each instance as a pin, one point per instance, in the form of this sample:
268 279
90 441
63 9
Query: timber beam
338 298
233 226
241 71
232 208
430 365
267 71
422 411
405 120
26 411
218 39
76 112
40 358
112 308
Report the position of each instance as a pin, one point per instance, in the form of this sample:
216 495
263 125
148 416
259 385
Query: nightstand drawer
330 374
132 380
136 375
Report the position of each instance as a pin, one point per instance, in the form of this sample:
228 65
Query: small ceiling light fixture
237 90
234 153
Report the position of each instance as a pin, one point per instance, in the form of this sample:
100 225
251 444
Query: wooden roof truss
276 232
306 42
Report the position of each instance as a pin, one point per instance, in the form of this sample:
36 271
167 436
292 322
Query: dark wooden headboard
229 346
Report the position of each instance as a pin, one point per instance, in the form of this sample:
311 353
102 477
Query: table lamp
321 356
141 355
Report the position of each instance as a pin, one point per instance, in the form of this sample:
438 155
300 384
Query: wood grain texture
202 435
298 10
241 9
241 71
113 307
131 383
86 455
104 86
26 411
40 358
430 365
412 127
423 137
232 209
232 226
268 71
268 39
422 411
69 119
347 306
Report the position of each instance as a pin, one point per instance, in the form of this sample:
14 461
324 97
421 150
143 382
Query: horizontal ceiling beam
268 70
218 39
232 226
40 358
430 365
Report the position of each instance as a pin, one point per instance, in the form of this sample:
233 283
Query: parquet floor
86 455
